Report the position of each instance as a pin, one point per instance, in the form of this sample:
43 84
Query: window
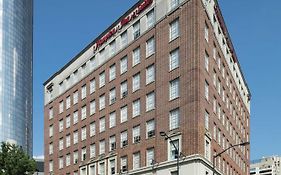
150 156
206 32
61 144
75 137
136 56
215 52
75 157
124 164
68 141
75 97
136 28
136 82
215 105
174 59
112 72
112 96
102 147
51 166
61 107
207 149
102 102
83 92
67 160
83 154
136 108
112 166
102 79
150 128
136 160
92 107
101 168
83 112
60 162
67 125
51 113
112 120
150 19
68 102
173 151
174 29
124 114
112 143
136 134
174 89
123 65
124 89
92 129
206 120
206 61
124 39
92 86
92 150
51 148
174 118
51 131
150 101
112 48
150 47
84 133
61 125
206 90
75 117
173 4
102 124
150 74
124 139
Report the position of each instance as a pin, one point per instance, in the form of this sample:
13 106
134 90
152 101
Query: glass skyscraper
16 27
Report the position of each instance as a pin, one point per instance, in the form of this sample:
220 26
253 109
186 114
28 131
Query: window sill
175 68
173 39
173 99
149 55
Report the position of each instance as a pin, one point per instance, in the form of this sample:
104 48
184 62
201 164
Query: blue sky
63 28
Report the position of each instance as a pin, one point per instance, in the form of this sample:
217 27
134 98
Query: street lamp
217 155
163 134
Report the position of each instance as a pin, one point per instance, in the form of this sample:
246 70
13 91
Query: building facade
16 27
165 65
266 166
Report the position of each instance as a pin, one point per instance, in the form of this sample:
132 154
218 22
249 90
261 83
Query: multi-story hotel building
165 65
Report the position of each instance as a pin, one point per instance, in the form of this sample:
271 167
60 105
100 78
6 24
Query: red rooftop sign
123 22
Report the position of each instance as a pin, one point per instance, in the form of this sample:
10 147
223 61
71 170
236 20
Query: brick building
165 65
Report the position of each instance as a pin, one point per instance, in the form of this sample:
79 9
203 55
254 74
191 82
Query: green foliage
14 161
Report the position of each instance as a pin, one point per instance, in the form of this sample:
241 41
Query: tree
14 161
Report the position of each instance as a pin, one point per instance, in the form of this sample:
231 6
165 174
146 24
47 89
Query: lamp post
163 134
217 155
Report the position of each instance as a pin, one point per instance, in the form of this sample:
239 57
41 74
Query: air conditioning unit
124 143
124 168
124 94
137 139
113 100
151 133
113 146
136 34
113 170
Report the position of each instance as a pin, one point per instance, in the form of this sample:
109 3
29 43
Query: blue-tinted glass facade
16 24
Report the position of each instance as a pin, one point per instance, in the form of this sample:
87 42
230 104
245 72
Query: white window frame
174 89
174 59
174 29
150 101
150 47
150 74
